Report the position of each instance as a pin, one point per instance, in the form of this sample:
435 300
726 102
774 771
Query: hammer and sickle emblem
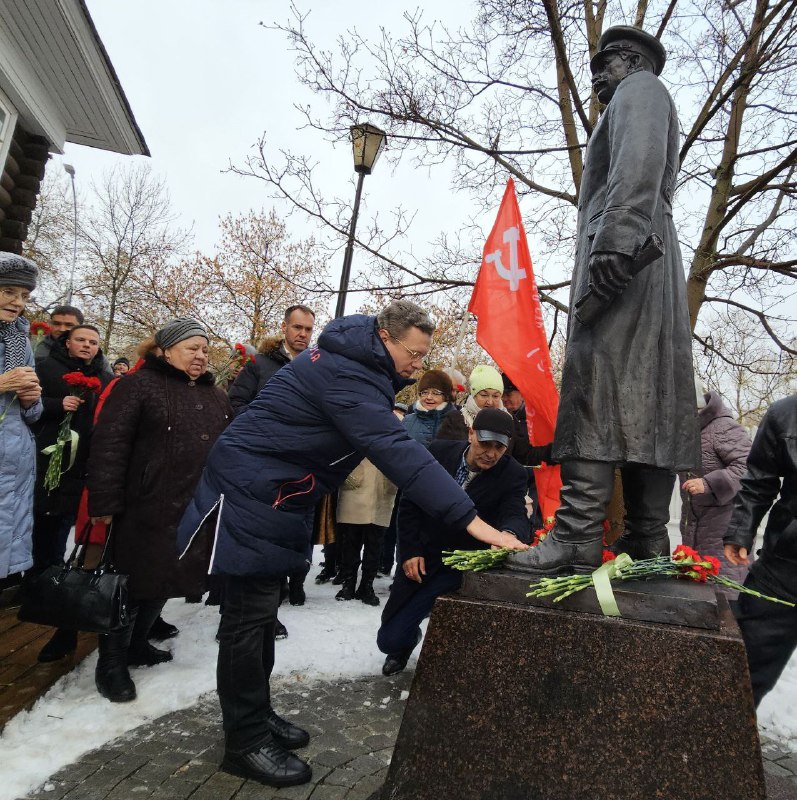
513 274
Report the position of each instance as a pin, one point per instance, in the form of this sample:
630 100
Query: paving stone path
353 724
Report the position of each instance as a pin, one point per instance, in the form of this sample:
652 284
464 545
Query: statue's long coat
628 392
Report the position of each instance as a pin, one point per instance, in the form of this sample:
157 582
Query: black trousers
50 535
246 659
769 631
354 539
389 555
409 604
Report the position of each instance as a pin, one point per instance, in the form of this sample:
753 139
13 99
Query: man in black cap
497 485
627 395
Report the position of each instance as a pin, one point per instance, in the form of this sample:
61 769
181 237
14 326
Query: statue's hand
609 274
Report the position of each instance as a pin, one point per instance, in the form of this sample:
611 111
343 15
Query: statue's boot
647 492
576 542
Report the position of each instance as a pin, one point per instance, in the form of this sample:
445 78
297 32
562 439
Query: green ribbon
602 581
73 440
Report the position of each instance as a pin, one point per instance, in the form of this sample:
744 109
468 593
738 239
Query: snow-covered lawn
327 639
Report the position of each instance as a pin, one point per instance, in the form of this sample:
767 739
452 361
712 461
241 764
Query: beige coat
367 497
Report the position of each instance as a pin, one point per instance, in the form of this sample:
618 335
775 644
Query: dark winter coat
64 499
256 374
151 442
724 445
499 496
422 425
627 391
770 484
311 425
453 427
522 450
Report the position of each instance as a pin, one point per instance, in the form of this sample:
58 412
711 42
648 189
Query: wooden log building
57 85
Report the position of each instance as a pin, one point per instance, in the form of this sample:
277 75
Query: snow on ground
327 639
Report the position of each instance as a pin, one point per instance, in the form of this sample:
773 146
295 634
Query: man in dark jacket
314 421
497 485
627 395
770 484
275 353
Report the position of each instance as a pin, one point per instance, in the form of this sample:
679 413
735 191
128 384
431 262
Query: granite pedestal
513 701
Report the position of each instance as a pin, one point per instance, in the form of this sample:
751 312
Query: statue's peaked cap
626 37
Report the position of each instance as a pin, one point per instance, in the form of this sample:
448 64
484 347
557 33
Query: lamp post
367 142
70 170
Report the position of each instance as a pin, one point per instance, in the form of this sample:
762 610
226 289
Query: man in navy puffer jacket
308 428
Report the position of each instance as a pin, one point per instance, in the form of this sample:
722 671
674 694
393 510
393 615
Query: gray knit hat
177 330
17 271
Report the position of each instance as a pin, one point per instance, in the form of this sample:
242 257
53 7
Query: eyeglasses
430 393
415 356
15 294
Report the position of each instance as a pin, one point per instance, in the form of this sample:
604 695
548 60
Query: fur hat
485 377
436 379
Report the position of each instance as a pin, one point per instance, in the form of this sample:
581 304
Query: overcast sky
205 80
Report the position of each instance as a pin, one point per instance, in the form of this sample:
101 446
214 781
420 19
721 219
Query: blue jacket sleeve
364 418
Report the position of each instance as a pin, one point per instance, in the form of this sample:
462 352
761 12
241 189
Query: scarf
16 344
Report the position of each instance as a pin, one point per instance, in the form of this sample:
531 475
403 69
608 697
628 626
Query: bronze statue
628 396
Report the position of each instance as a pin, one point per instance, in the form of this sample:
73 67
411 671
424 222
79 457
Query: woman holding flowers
71 376
20 407
152 439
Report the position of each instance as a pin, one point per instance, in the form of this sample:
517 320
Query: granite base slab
668 601
515 702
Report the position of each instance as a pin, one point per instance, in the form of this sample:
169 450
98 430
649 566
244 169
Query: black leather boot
111 675
285 734
365 592
62 643
296 595
162 630
271 765
141 653
576 542
326 575
395 662
646 493
348 589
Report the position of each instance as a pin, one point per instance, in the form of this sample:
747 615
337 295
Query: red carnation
682 552
607 555
714 569
241 349
80 381
39 328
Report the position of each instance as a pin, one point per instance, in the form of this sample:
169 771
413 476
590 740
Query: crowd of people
197 483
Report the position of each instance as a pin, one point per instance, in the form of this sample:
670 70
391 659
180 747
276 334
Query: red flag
510 328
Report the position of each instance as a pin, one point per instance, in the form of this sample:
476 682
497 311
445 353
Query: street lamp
367 142
70 170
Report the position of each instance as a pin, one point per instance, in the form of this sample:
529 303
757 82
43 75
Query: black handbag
69 596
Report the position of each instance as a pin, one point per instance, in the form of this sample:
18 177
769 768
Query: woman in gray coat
20 406
708 497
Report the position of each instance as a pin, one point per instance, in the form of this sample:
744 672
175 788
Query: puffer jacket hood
356 337
714 409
